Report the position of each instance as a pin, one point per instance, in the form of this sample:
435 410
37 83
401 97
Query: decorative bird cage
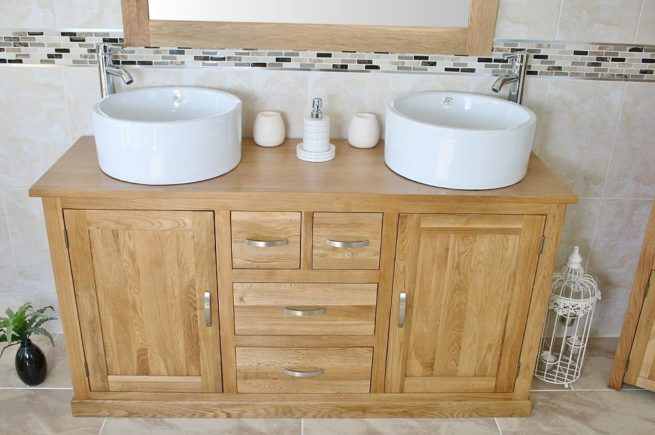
573 297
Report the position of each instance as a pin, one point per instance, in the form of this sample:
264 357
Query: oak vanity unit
287 288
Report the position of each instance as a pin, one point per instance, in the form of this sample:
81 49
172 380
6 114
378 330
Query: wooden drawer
346 240
292 370
304 309
265 240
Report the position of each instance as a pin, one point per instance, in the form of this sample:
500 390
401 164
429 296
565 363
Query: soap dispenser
316 146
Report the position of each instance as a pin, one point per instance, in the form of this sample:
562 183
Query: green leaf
43 331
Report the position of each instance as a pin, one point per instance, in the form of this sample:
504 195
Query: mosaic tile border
627 62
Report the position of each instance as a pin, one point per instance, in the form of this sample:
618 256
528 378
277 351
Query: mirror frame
476 39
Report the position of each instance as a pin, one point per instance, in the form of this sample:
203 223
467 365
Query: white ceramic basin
168 135
458 140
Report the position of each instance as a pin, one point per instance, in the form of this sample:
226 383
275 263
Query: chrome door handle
403 309
266 243
303 373
301 313
208 309
347 245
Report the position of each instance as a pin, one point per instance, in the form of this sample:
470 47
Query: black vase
31 364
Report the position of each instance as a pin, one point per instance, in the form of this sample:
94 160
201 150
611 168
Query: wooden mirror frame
476 39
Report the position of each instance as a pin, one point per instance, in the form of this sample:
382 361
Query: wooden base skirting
364 407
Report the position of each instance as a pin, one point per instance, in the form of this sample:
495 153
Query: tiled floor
588 408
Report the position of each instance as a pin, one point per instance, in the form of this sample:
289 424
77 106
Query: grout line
559 16
35 388
302 426
102 427
639 17
500 431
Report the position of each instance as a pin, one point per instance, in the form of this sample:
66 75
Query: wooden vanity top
277 170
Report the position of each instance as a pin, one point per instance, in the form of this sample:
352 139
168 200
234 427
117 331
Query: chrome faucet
516 77
108 70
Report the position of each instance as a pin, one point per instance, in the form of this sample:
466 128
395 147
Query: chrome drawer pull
313 312
403 308
303 374
266 243
347 245
208 308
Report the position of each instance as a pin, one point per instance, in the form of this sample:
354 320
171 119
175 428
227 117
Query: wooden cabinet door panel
641 369
140 280
468 281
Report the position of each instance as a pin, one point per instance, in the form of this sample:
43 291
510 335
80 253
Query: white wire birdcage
573 297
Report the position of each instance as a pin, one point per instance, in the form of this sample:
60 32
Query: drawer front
346 240
304 309
263 240
292 370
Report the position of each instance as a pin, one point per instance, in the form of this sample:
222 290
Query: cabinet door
142 279
468 281
641 368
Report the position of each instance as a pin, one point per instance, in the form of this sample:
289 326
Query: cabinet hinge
518 369
66 238
86 369
541 244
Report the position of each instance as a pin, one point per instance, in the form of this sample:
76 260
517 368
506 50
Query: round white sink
168 135
458 140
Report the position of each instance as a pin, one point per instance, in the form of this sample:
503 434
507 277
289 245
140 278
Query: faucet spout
108 70
515 77
502 81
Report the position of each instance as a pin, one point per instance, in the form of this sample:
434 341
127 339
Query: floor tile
177 426
42 412
597 364
399 426
586 412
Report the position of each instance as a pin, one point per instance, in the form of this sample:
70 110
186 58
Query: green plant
20 325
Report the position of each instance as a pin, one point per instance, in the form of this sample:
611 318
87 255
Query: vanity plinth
286 288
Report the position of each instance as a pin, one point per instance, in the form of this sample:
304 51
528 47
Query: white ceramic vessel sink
458 140
168 135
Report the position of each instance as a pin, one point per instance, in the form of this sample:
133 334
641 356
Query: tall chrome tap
516 77
108 70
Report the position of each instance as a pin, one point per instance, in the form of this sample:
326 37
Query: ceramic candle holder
363 131
268 130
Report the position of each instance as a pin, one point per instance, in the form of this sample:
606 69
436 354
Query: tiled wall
598 135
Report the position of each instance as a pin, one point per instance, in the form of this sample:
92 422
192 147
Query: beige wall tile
7 269
345 94
535 97
533 19
632 170
30 246
646 28
82 88
96 14
34 128
27 14
579 123
399 426
598 20
610 312
617 245
578 230
405 84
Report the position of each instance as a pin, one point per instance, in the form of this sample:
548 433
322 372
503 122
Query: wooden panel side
347 227
136 22
203 34
450 384
482 26
85 294
283 227
646 264
70 320
642 357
